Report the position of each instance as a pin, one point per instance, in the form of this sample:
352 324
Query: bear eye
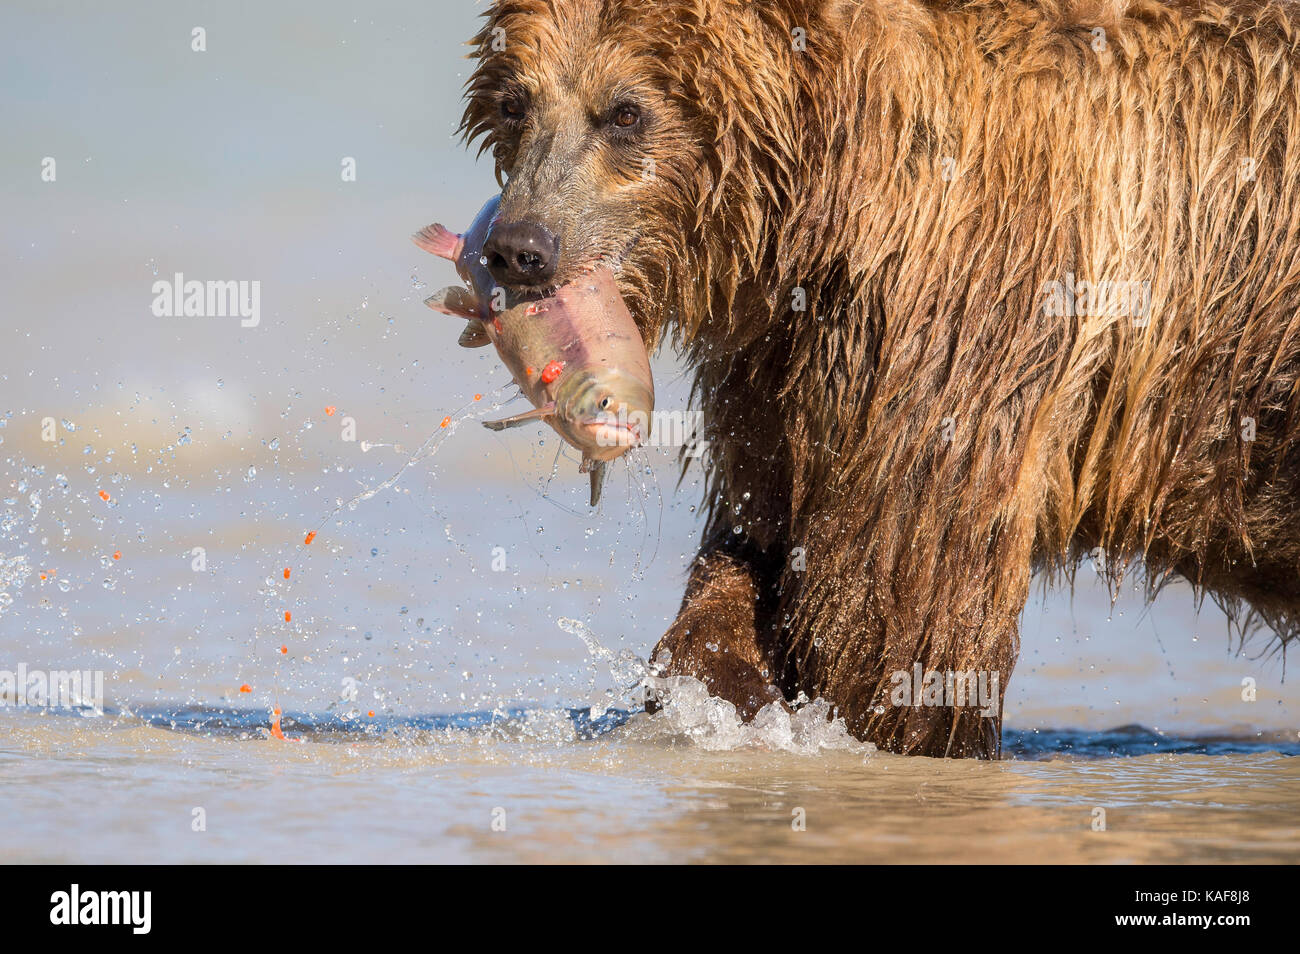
625 116
604 404
513 109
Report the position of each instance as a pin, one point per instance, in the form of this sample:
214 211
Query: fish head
470 264
604 411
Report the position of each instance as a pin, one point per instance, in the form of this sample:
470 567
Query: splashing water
431 445
14 572
711 723
627 669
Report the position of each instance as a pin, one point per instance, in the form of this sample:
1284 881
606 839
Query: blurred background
216 449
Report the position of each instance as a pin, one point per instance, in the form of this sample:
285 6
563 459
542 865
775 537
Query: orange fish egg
372 713
117 554
287 616
552 371
529 371
329 411
245 688
275 725
310 537
286 573
284 650
445 422
478 397
103 495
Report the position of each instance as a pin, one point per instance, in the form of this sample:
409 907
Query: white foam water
713 724
690 714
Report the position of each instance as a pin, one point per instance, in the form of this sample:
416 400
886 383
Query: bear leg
715 636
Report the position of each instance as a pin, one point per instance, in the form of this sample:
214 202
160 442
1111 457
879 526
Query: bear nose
521 253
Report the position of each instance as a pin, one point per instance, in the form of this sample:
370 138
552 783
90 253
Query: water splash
713 724
14 572
474 409
689 713
627 669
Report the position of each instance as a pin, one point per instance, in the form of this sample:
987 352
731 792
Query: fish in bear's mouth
575 351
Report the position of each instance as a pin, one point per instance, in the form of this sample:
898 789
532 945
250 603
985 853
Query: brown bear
971 289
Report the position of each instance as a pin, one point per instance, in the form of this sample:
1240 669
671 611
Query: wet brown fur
925 430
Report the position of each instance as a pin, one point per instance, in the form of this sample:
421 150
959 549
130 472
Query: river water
438 702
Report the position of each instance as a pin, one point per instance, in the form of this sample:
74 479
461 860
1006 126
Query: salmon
577 355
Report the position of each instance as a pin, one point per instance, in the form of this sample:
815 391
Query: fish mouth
612 432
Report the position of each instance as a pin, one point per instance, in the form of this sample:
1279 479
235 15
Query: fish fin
439 241
456 301
474 335
597 480
537 414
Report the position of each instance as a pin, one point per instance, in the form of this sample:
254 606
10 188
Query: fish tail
439 241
